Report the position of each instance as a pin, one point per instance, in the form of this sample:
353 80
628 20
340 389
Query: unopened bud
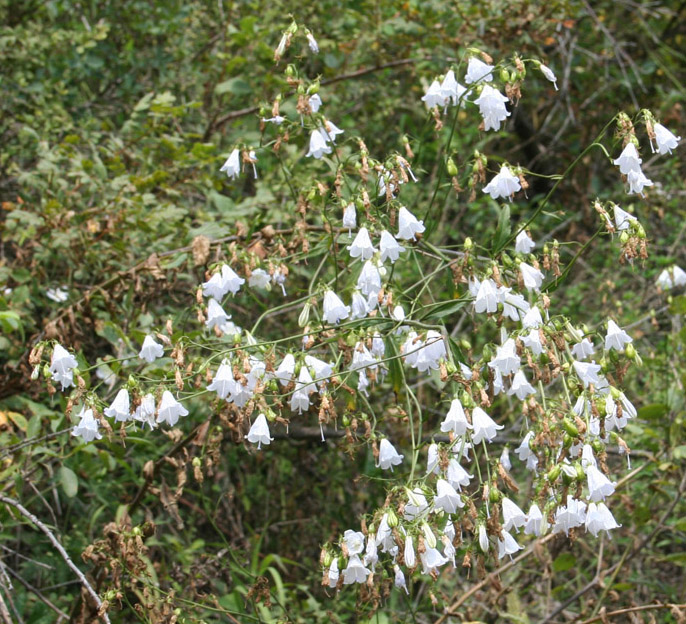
429 535
451 167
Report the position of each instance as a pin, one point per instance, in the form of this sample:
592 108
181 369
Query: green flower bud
468 244
428 535
630 351
451 167
504 75
554 473
392 518
570 428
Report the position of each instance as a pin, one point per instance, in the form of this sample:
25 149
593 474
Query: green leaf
565 561
237 86
653 411
503 230
69 481
443 308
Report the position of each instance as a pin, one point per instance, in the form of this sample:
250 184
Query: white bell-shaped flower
362 246
145 412
583 349
523 243
170 409
120 408
388 456
151 350
483 539
223 383
532 318
369 282
587 372
359 306
599 486
533 342
616 338
349 217
416 504
389 247
408 225
334 309
504 184
666 140
62 365
485 427
520 387
216 316
457 476
455 420
399 579
409 553
446 497
487 298
87 426
525 453
355 572
637 182
671 278
491 105
434 95
232 166
548 73
570 516
333 574
315 102
259 432
478 70
506 359
354 541
507 545
431 560
259 278
533 278
285 371
623 219
628 160
452 89
330 131
513 516
536 523
318 145
599 518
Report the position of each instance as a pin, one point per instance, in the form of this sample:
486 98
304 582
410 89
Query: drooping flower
318 145
525 453
446 497
62 366
371 556
409 553
355 572
532 319
232 166
484 426
513 516
548 73
87 426
506 359
628 160
259 432
330 131
505 459
145 412
507 545
434 95
416 504
300 399
354 541
456 475
399 580
362 246
616 337
478 70
388 456
349 217
389 247
259 278
408 225
151 350
119 410
322 370
432 459
536 523
533 278
533 342
333 574
284 373
599 518
599 486
637 182
587 372
216 316
58 295
451 89
523 242
170 409
455 419
431 353
312 43
504 184
623 219
520 387
431 560
359 306
671 278
666 140
492 107
224 281
315 101
334 309
570 516
369 282
487 298
582 349
223 383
